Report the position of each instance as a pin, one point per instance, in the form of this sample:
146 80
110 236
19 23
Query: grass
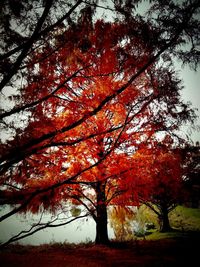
163 252
183 220
47 247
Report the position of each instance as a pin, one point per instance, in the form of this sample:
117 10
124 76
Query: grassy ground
177 248
183 220
168 252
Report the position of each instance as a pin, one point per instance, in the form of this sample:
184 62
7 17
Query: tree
91 94
191 173
19 40
161 170
121 222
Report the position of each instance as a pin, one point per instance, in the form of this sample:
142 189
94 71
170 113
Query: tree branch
39 101
27 46
25 233
41 33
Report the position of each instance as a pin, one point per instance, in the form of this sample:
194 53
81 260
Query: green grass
156 235
184 221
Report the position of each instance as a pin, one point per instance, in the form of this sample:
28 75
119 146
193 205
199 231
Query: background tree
160 168
191 173
122 222
78 73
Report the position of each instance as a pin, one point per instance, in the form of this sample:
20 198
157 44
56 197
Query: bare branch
40 226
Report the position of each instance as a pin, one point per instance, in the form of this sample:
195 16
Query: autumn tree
89 94
122 221
160 169
191 167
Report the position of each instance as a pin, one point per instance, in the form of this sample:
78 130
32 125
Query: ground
178 248
182 250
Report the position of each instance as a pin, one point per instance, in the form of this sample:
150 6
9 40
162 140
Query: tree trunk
164 224
101 218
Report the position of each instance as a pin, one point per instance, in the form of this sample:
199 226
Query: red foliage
87 122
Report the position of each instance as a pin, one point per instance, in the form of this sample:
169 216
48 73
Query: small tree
122 222
161 171
191 168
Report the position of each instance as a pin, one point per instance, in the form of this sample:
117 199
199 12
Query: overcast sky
191 93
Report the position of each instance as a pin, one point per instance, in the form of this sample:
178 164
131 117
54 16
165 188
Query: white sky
191 93
82 230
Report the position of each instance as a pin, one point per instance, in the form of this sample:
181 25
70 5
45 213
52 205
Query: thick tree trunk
164 224
101 215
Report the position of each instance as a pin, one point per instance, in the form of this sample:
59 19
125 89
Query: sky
85 230
191 93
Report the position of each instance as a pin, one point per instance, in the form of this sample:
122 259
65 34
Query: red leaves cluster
86 125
